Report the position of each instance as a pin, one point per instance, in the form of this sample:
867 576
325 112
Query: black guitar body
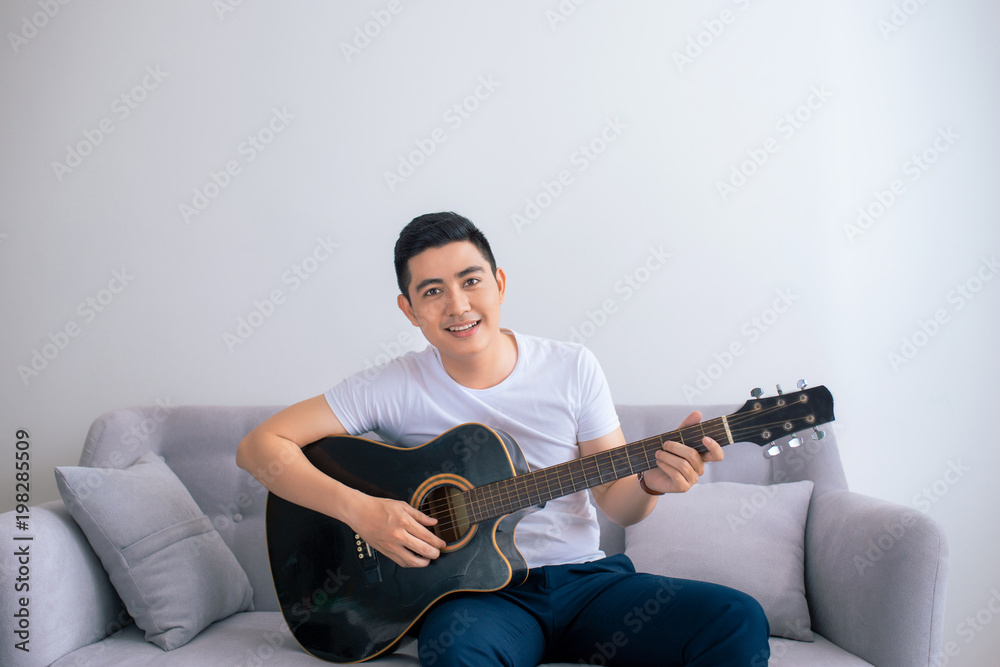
344 602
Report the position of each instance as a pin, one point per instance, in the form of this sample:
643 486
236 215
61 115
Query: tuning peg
778 386
801 384
771 450
795 442
819 433
757 392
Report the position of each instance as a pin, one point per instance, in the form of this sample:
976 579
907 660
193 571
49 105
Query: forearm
624 501
280 465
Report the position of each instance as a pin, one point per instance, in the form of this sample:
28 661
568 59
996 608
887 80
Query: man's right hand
395 529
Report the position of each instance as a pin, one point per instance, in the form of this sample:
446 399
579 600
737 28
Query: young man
553 398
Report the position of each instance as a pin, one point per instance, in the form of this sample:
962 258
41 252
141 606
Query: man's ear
407 308
501 282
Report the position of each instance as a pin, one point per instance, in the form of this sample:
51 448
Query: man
553 398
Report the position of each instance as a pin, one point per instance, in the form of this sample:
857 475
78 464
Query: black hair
433 230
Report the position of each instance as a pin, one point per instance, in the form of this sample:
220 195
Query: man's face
454 298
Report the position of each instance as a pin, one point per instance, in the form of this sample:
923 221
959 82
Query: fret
468 497
580 474
600 471
559 481
617 460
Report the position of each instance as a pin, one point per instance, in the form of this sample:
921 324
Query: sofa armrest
875 578
70 601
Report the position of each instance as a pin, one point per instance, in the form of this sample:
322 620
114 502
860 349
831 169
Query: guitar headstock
763 420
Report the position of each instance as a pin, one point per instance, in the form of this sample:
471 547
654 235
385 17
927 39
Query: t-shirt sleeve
597 409
350 408
362 400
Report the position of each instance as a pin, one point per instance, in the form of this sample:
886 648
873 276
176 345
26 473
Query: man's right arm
272 453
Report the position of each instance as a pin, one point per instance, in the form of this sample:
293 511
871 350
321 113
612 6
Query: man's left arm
678 468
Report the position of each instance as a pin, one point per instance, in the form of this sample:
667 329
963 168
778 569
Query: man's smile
466 328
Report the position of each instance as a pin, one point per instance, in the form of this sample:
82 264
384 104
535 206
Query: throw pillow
745 536
163 555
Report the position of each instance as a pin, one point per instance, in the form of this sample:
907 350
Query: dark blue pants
601 613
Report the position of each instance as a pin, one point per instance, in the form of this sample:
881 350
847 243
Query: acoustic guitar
344 602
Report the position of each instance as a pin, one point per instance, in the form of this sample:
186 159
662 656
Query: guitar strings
503 497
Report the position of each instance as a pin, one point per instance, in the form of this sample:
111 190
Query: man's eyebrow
471 269
437 281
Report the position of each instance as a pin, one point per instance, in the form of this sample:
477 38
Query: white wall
886 81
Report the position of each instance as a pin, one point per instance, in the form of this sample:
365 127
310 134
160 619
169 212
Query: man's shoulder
551 350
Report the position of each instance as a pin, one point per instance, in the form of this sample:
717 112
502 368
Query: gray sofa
872 573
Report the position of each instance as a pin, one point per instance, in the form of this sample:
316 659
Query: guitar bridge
368 559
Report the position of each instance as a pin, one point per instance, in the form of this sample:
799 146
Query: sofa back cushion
199 444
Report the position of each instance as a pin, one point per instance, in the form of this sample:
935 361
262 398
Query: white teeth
465 328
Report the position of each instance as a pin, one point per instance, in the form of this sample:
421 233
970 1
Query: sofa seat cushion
820 652
258 638
252 638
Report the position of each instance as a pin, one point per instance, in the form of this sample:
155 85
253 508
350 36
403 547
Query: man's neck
486 369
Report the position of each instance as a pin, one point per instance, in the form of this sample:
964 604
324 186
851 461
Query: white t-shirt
556 397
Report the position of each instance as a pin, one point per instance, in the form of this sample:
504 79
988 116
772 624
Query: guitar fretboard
516 493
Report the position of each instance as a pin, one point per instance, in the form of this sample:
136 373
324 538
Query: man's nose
458 303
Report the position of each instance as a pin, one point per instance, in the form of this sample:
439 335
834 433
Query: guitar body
345 602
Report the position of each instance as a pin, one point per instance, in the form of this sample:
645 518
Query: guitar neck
516 493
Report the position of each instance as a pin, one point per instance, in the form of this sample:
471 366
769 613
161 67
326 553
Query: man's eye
471 281
432 291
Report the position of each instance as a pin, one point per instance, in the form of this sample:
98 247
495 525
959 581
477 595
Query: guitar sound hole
445 504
